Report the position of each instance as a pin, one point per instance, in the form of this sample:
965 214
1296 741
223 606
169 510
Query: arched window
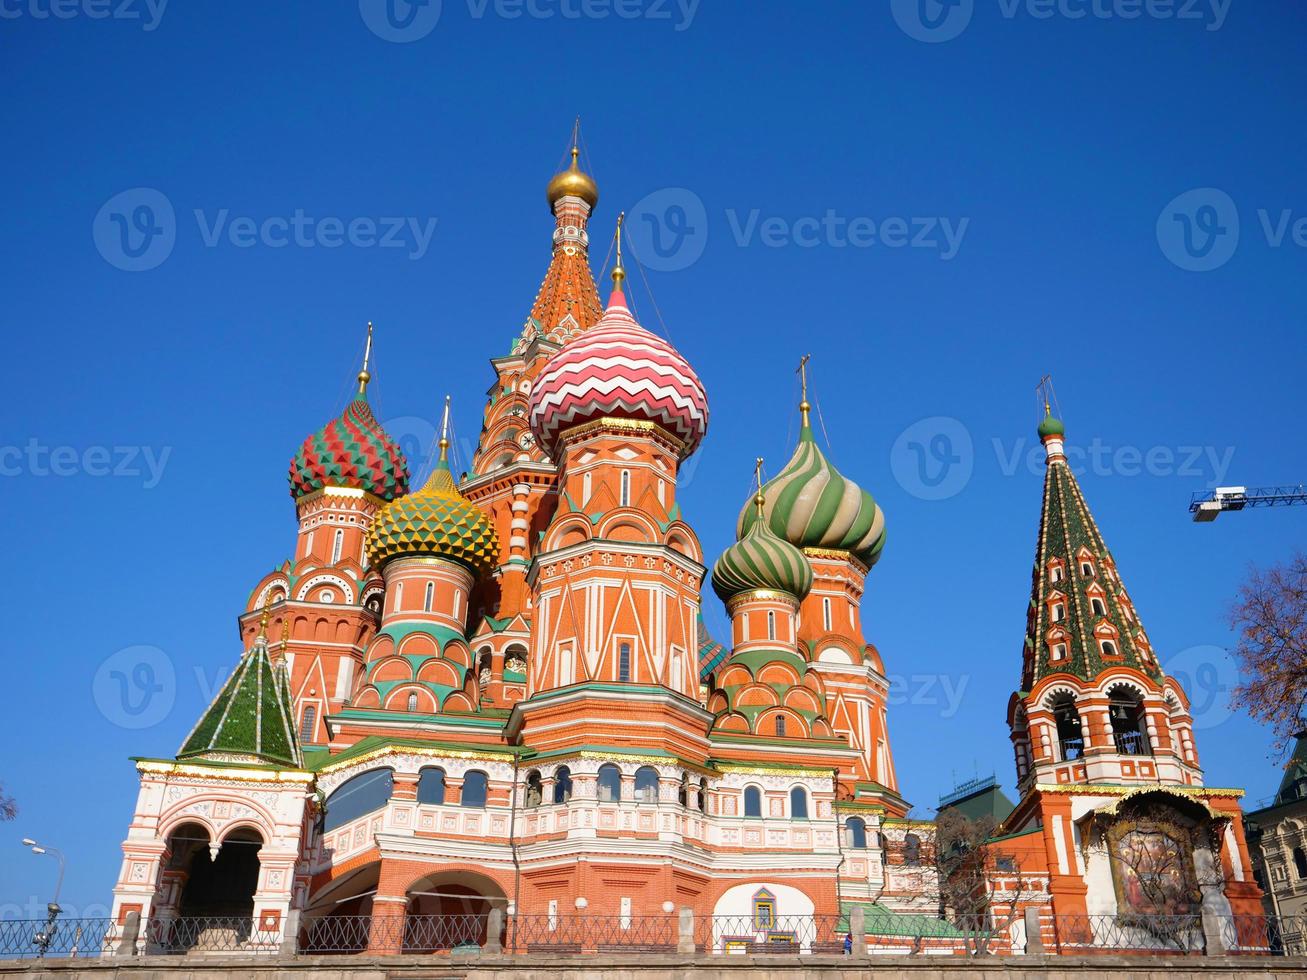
798 803
825 614
364 793
1126 710
308 723
624 661
399 595
1055 573
431 785
646 785
780 726
1096 604
626 489
562 784
1109 648
703 796
429 598
1300 862
771 625
764 909
412 702
911 850
855 832
338 542
1070 738
585 489
1086 569
1059 611
683 794
610 783
475 785
534 789
752 801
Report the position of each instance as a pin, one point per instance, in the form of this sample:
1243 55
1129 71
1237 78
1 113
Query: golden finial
263 619
364 377
804 406
758 499
618 272
1043 388
285 636
444 433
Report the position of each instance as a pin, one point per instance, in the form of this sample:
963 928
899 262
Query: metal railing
34 938
1140 933
555 934
210 934
584 934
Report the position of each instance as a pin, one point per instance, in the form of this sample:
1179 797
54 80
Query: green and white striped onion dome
811 505
761 560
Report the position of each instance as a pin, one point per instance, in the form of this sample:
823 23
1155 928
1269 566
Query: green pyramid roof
1068 534
1294 784
250 717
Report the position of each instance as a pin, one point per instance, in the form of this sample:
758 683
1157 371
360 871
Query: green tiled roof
1066 531
885 922
251 716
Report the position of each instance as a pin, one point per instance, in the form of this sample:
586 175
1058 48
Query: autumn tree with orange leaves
1270 616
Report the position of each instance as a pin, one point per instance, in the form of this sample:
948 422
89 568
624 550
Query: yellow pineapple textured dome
437 521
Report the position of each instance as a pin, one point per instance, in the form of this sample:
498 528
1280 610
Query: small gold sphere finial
364 375
619 273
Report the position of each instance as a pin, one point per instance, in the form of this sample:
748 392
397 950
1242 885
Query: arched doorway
224 885
448 910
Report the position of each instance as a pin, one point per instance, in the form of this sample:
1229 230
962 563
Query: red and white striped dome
618 369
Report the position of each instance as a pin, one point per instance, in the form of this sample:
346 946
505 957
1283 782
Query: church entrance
450 910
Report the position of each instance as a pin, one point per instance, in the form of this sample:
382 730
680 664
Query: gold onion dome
436 521
761 560
573 182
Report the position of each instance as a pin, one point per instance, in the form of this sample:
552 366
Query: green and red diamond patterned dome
351 451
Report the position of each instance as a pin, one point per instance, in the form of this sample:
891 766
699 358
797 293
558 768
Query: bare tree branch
1270 616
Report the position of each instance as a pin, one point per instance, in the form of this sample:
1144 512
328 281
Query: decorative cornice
752 770
831 554
433 752
629 426
162 767
760 595
1091 789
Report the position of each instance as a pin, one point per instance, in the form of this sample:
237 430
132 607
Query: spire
759 499
1081 620
364 376
618 297
250 719
567 302
804 406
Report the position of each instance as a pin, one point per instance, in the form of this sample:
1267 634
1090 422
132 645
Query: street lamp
45 937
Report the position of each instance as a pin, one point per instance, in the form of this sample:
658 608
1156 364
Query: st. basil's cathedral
498 692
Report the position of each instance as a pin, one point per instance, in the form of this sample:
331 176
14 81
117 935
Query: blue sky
939 210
